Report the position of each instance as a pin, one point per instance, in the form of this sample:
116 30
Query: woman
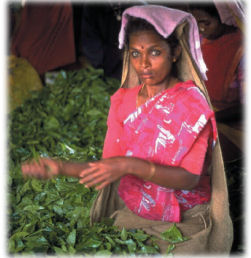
222 48
158 144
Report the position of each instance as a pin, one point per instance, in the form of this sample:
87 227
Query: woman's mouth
146 75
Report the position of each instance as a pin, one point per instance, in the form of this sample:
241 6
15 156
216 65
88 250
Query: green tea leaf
59 250
173 235
26 187
123 234
131 245
19 245
92 243
103 253
94 112
148 250
71 239
36 241
58 210
11 246
51 123
140 236
33 208
110 240
36 185
19 235
170 248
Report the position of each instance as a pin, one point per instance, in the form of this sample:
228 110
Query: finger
36 171
87 171
103 185
97 180
33 169
27 168
93 164
24 168
93 176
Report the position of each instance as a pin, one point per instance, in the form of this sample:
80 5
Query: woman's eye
135 53
205 23
155 52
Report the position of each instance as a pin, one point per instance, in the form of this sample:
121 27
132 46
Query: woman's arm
167 176
46 168
101 173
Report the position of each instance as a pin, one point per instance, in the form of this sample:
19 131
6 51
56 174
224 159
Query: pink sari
162 130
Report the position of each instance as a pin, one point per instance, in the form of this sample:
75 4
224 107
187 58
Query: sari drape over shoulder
162 130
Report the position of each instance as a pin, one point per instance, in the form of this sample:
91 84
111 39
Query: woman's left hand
103 172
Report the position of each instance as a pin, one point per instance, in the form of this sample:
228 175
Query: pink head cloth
228 9
165 20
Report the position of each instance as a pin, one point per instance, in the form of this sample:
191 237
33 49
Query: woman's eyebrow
148 47
133 48
202 20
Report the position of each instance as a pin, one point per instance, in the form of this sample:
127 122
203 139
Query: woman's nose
145 61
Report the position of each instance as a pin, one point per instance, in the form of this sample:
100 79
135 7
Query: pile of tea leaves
65 120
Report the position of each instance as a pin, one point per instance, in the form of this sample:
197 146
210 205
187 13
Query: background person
222 48
48 43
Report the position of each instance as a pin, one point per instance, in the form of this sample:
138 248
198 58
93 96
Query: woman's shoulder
122 93
191 93
187 87
235 36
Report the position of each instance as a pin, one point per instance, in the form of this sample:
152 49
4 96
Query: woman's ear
176 53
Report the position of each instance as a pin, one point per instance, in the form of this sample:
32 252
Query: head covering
231 12
166 20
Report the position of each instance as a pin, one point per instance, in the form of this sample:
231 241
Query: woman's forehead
145 36
201 15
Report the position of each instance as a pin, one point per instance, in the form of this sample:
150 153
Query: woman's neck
150 91
229 29
224 29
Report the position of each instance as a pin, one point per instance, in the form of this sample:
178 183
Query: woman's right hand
43 168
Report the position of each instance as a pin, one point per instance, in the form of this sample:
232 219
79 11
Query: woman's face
210 27
151 58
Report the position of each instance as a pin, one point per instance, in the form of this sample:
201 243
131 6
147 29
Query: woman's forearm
167 176
103 172
72 169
